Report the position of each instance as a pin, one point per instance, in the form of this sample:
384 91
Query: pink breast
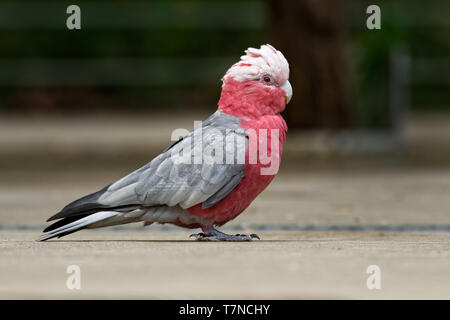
253 182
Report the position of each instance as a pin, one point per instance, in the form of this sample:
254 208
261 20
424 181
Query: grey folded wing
179 177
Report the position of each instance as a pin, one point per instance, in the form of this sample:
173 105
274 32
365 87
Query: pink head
256 85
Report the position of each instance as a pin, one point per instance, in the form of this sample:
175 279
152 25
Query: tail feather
64 222
89 205
85 205
58 230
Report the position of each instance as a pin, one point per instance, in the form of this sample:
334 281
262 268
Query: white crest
259 62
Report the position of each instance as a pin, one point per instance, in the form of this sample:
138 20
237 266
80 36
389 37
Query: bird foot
215 235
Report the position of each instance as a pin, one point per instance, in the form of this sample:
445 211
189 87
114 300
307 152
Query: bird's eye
267 79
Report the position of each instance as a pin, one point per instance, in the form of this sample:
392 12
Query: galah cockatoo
182 186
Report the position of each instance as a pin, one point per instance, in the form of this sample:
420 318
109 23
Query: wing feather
167 181
186 184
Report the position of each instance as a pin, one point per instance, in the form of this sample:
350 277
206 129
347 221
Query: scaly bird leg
216 235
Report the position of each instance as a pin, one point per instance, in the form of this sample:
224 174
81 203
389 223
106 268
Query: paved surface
359 212
164 265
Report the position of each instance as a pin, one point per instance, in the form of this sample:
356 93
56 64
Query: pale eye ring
267 79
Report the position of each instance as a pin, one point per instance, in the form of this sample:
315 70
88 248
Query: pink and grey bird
201 194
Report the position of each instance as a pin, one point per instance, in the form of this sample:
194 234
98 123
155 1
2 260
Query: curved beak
287 88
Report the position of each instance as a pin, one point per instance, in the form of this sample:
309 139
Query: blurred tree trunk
311 35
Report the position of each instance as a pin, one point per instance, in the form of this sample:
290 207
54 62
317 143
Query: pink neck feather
250 99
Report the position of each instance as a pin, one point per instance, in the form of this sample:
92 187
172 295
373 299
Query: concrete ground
284 265
323 220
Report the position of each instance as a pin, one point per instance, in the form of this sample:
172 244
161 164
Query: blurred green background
170 55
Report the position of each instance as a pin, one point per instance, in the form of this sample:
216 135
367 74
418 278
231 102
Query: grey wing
184 180
177 177
168 181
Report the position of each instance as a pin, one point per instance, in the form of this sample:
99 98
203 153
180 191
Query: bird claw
198 236
215 235
255 236
203 237
246 237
